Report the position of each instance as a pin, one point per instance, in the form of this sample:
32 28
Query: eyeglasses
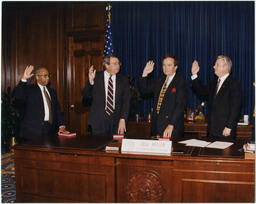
116 63
44 75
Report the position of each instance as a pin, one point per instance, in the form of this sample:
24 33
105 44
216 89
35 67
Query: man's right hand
148 68
28 72
195 67
91 75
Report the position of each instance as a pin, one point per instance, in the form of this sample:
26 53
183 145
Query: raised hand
195 67
28 72
91 75
148 68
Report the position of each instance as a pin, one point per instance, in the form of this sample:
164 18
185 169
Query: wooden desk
198 129
79 170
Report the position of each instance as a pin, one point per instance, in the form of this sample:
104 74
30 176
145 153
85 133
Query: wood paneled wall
38 33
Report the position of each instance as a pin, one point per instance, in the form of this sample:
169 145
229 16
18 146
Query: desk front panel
214 181
140 180
63 177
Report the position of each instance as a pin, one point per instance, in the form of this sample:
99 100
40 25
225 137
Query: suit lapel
118 84
169 88
172 84
40 98
160 85
102 86
224 86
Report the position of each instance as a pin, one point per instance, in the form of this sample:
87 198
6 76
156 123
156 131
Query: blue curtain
145 31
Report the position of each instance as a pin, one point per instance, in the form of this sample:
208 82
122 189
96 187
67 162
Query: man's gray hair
227 61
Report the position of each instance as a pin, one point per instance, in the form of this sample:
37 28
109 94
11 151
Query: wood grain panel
213 191
48 177
85 16
213 181
33 34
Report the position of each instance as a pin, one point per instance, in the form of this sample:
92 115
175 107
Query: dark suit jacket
31 97
224 108
94 95
173 104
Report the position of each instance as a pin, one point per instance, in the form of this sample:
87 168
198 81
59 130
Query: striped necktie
48 100
110 97
161 97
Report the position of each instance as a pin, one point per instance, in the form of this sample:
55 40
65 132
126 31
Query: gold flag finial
108 8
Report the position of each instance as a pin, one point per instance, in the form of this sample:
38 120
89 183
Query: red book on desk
72 134
163 139
118 137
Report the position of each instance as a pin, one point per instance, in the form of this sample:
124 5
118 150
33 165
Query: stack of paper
219 145
201 143
195 143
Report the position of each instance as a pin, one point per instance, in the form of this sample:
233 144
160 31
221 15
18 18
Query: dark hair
106 59
37 71
171 56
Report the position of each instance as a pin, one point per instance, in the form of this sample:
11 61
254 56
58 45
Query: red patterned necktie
110 97
48 100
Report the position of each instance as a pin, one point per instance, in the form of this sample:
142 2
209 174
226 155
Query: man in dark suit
108 93
225 98
169 99
42 115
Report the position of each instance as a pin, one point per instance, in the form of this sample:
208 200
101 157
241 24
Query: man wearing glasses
42 115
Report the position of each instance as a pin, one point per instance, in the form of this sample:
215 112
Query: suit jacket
31 97
224 108
94 95
172 107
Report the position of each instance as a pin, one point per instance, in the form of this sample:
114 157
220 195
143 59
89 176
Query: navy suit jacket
94 95
224 108
172 107
31 97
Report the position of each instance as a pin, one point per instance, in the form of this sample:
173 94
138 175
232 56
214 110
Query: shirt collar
224 77
171 77
108 74
40 86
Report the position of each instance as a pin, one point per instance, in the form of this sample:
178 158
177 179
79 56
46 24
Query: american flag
108 49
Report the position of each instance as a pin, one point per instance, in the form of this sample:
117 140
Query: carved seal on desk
145 186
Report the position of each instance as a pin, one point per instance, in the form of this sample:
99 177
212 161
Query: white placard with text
150 147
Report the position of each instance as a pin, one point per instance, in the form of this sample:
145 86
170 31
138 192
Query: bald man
225 98
42 115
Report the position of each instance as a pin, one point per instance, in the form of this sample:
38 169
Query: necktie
161 97
48 100
217 87
110 104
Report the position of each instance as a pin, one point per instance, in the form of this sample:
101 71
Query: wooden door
85 31
82 53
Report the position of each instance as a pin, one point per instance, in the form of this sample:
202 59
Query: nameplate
148 147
